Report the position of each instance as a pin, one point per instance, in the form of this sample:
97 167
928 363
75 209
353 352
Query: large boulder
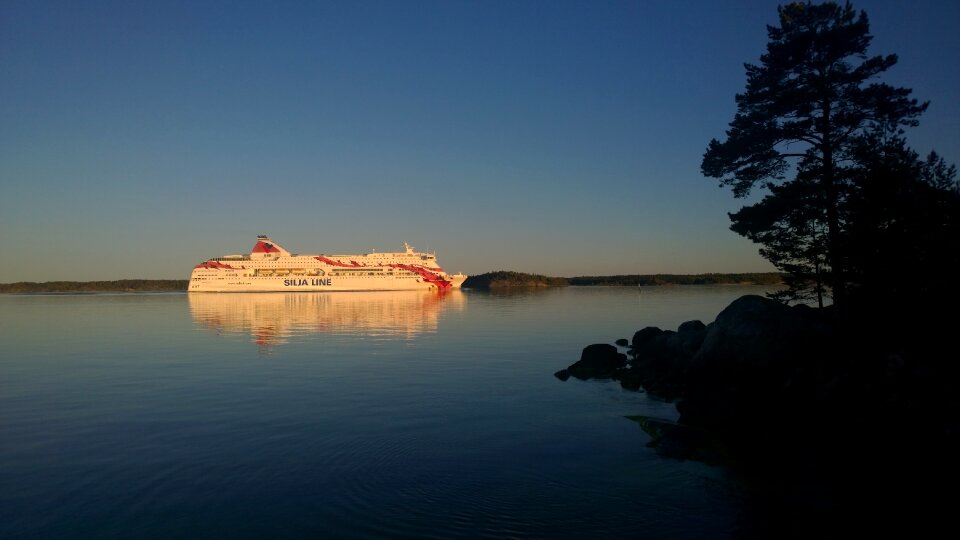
645 336
755 359
753 332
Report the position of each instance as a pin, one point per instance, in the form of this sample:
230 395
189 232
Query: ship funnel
267 247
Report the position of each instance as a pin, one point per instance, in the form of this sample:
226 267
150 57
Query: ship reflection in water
275 318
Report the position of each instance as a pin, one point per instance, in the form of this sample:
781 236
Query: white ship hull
271 268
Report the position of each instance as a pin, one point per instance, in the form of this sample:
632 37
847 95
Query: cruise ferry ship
270 267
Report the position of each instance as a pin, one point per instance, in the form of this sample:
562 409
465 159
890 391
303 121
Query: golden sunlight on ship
275 318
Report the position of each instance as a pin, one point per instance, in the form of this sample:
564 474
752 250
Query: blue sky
140 138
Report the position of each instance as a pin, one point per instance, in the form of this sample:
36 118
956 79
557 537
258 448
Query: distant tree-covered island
506 279
121 285
757 278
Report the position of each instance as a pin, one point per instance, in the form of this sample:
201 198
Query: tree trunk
833 214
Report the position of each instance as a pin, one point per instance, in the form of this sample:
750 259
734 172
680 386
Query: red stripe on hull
427 275
332 262
214 265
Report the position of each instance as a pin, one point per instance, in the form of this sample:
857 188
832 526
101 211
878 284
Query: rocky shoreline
827 412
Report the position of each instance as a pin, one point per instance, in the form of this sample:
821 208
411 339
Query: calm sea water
355 415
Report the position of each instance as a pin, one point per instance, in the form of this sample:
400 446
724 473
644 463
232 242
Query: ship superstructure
271 267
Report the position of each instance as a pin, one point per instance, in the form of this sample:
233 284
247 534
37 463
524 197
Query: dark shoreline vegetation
490 280
844 418
121 285
505 280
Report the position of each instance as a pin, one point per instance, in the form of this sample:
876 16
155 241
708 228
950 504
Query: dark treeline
507 279
762 278
122 285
